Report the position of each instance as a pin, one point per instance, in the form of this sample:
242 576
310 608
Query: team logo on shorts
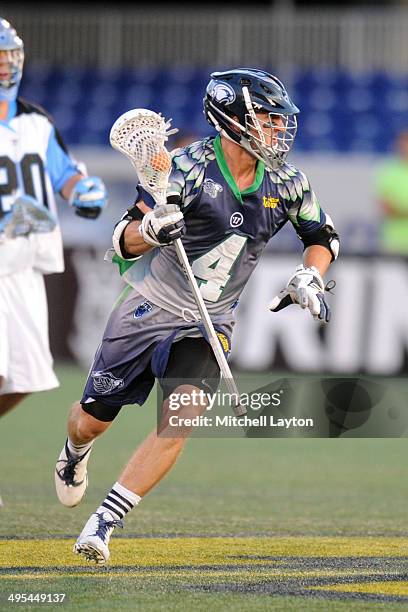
212 188
236 219
142 309
106 382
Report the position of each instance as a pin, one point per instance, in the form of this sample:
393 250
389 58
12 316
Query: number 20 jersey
226 230
34 162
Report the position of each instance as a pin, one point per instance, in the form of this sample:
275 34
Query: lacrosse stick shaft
239 410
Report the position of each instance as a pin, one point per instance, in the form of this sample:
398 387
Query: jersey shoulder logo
189 166
106 382
212 188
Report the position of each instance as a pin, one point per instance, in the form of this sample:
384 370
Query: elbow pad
325 236
118 241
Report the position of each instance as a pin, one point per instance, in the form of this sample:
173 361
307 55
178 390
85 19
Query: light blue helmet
11 61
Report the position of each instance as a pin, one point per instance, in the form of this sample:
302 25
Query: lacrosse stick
140 134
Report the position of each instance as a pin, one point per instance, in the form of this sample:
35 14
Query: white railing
349 39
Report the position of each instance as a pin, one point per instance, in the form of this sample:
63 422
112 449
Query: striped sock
78 450
119 501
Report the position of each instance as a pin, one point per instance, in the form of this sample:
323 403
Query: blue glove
89 197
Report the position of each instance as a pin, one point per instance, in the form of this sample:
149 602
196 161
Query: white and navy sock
78 450
119 501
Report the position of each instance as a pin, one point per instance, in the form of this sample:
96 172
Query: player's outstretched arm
306 287
317 256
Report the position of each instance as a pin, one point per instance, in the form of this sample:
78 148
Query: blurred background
345 66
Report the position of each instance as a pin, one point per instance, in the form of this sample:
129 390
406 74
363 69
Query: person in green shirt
392 189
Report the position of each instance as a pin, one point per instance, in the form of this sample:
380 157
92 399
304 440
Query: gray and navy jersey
226 229
34 162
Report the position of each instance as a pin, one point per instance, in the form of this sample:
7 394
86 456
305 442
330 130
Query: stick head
140 134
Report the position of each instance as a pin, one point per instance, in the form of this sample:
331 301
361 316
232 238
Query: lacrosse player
34 164
227 196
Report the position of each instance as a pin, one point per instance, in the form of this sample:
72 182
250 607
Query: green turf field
243 524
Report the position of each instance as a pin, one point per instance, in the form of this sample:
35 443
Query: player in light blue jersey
34 164
227 197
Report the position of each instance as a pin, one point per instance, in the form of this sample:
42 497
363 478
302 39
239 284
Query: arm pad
326 236
134 213
118 239
119 242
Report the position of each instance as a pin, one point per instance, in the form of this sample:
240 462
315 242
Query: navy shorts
135 350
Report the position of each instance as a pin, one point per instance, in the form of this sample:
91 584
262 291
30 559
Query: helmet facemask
11 61
14 60
268 141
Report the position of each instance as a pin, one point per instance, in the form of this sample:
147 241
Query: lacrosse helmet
232 101
12 49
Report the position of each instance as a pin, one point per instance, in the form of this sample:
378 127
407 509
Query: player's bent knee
87 428
87 431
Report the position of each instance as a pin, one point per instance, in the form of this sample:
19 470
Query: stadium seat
339 110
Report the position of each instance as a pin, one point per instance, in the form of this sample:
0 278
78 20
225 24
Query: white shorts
25 357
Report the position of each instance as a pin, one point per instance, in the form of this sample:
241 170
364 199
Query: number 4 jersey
35 162
226 229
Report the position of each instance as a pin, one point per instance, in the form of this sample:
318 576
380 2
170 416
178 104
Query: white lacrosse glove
162 225
306 288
